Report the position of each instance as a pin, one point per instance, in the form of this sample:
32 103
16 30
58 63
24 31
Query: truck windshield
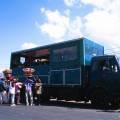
118 60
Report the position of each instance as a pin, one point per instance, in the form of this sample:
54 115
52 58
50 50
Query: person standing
18 87
12 93
28 92
9 79
38 91
29 82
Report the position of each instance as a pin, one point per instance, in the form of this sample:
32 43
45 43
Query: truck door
109 72
105 73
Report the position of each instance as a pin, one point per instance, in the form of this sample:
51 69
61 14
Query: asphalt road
57 111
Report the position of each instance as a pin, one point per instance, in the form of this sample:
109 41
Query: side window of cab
99 65
105 64
113 65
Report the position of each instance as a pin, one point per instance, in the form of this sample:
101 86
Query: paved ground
57 111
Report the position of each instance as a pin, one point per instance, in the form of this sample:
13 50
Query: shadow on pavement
81 105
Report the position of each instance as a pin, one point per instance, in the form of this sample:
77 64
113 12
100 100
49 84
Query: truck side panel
91 49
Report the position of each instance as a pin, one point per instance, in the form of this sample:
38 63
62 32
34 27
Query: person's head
7 72
28 72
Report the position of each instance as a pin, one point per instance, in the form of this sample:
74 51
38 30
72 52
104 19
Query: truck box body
65 61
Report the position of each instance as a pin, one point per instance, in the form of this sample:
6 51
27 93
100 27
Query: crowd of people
14 92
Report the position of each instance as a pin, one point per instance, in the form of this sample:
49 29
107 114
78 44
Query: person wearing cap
9 81
29 81
8 74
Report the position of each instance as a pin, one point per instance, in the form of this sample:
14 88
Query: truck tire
115 103
99 98
44 99
45 95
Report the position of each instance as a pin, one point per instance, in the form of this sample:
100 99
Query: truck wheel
44 99
99 98
115 103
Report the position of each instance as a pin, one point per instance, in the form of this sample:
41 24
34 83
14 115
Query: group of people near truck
14 92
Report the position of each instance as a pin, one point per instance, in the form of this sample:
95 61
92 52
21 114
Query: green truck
72 70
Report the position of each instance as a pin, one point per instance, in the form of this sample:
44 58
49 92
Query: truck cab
105 78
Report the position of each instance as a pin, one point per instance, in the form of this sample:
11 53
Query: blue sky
30 23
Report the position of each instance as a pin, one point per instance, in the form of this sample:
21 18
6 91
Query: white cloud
101 4
74 28
42 10
102 24
28 45
71 3
55 25
67 12
60 27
